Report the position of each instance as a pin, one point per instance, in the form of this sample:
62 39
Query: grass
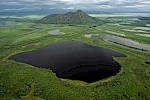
133 81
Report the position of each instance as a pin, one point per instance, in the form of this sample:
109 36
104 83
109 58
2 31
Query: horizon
91 13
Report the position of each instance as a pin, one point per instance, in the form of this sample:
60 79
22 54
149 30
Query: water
115 33
143 28
55 32
148 25
147 62
39 27
135 31
125 41
95 41
73 60
2 22
91 35
145 35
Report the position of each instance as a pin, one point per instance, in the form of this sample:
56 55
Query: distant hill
78 17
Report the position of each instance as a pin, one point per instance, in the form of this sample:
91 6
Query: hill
78 17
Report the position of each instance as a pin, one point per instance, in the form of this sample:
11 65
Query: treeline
18 19
144 18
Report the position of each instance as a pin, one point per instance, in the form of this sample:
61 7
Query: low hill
78 17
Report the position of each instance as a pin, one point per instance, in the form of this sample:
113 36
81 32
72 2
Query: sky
70 5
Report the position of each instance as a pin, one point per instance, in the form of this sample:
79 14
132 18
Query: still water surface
74 60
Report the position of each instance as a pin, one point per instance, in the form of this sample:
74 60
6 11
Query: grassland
129 31
132 83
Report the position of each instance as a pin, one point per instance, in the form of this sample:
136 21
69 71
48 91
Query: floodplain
18 35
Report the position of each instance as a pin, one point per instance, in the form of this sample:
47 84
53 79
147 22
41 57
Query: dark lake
73 60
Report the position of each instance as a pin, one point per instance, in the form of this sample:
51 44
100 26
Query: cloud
19 9
69 8
95 5
9 3
106 7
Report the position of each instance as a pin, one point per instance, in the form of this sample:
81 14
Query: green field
131 83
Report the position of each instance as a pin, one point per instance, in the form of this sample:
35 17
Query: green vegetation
132 83
78 17
31 96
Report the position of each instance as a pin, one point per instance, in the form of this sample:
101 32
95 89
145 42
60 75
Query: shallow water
115 33
142 28
91 35
39 27
125 41
145 35
2 22
55 32
148 25
95 41
135 31
73 60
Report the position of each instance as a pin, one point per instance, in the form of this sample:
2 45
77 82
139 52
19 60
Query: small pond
91 35
73 60
147 62
55 32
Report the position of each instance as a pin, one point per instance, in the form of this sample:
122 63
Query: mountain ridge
78 17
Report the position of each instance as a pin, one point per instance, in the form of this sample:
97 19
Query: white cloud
135 6
9 3
82 1
17 9
106 6
69 8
